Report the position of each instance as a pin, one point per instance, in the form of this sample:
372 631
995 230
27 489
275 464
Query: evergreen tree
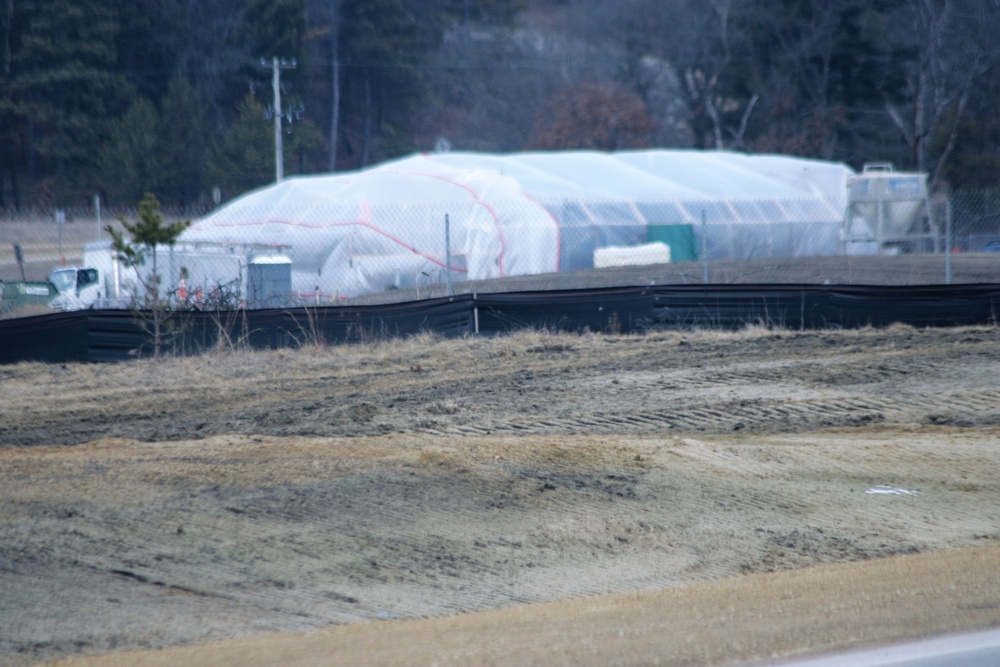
145 235
131 162
9 137
64 87
183 140
483 12
244 158
146 47
302 143
382 45
274 28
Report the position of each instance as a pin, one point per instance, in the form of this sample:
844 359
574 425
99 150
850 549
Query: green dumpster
20 293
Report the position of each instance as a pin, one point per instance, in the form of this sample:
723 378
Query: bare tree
792 69
697 39
490 84
604 116
953 46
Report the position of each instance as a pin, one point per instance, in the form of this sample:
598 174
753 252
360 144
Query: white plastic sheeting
386 227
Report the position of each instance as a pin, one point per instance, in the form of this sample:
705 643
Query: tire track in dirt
969 407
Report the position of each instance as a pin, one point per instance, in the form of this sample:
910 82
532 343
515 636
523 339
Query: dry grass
25 311
480 473
760 617
414 353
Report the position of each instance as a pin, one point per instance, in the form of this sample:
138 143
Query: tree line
123 97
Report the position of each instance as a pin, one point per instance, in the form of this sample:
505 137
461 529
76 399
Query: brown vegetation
739 495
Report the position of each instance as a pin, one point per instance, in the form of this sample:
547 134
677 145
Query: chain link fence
974 219
340 254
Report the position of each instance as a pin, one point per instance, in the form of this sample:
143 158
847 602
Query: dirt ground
688 498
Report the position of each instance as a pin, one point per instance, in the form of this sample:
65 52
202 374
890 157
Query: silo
888 213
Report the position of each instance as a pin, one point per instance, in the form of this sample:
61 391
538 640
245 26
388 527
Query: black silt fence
115 335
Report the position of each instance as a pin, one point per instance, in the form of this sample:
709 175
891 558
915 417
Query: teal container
680 238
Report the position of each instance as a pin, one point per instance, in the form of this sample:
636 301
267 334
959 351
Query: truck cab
79 287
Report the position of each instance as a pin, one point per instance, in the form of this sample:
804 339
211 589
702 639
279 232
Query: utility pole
278 64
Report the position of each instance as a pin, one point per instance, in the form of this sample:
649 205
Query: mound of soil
180 502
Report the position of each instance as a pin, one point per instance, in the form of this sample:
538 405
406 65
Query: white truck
79 287
191 275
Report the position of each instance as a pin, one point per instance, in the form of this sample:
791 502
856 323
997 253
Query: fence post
704 251
447 254
475 314
60 221
947 240
97 207
171 281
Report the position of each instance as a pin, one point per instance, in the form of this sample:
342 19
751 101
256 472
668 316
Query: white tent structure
483 216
